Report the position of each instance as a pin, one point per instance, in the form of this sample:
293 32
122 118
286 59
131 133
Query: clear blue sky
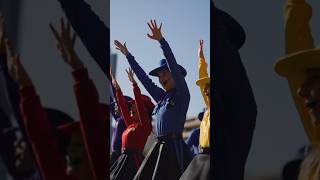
184 24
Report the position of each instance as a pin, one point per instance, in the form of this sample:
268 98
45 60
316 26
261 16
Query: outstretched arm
143 115
91 30
121 102
203 72
49 158
156 92
180 83
94 129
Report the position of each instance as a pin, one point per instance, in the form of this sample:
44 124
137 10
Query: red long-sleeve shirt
93 123
137 132
50 160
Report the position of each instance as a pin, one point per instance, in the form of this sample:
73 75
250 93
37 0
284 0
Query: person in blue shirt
193 140
169 156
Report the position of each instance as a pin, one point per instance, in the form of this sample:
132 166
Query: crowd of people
48 144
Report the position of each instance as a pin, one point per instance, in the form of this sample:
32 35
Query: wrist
161 38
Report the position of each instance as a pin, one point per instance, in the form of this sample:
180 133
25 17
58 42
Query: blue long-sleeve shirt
170 112
193 141
171 109
94 34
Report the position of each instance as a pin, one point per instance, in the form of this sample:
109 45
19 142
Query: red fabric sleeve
143 115
123 107
49 158
93 128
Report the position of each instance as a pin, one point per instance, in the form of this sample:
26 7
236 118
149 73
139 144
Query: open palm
156 32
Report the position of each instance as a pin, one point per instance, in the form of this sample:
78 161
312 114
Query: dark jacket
234 105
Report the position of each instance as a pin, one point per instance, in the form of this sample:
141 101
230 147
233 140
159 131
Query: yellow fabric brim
203 81
294 67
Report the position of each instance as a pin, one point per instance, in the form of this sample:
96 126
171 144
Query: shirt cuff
162 41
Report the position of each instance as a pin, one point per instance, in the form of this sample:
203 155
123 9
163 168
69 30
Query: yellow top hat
294 68
203 81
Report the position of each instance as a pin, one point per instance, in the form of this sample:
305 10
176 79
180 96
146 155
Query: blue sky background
184 24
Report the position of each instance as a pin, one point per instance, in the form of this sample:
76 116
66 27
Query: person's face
166 80
310 91
133 111
23 160
206 90
78 163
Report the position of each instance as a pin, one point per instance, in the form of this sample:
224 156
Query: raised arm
121 102
143 115
94 129
156 92
203 72
49 158
181 85
10 100
297 14
91 30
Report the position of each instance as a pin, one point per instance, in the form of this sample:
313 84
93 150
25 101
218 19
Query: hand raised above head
200 50
66 44
114 81
131 75
156 32
15 68
121 47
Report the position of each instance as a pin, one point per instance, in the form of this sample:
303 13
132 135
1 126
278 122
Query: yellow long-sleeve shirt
204 139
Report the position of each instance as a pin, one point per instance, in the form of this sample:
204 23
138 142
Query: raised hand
114 81
2 36
130 75
121 47
200 50
156 32
66 45
15 68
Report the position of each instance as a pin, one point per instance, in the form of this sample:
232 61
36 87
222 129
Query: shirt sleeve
180 83
203 72
156 92
50 159
143 115
93 127
298 35
123 107
91 30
